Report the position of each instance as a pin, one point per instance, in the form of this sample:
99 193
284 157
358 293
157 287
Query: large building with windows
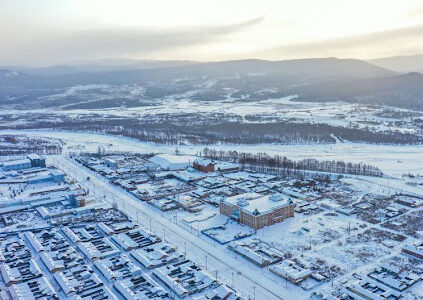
256 210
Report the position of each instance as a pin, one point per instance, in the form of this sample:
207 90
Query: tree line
195 130
270 164
20 145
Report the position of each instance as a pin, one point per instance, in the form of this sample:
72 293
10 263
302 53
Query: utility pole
310 242
206 262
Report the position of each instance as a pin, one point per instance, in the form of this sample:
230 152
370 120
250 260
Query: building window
235 213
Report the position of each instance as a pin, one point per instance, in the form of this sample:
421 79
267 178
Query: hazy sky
40 32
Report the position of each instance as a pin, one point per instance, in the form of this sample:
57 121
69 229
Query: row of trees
10 151
266 163
20 144
215 129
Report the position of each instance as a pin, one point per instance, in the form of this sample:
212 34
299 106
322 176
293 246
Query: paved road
245 277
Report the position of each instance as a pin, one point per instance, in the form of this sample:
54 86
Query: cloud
390 41
47 46
418 11
118 41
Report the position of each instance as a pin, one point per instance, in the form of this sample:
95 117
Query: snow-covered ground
338 242
209 255
339 113
393 160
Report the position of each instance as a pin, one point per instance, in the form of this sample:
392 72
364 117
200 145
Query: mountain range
402 64
379 81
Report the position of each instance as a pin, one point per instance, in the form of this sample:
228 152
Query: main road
249 280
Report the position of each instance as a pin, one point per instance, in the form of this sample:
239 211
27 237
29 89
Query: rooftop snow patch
252 202
172 162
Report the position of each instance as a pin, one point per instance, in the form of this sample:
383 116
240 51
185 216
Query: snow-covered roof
101 249
33 156
416 249
170 161
33 289
226 165
155 255
16 162
55 172
188 175
117 267
247 252
294 193
372 290
203 162
254 203
131 288
291 270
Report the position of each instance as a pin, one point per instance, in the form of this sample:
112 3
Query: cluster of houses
385 282
30 197
58 242
205 187
374 210
171 182
20 272
140 264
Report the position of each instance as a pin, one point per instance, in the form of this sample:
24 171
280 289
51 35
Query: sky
47 32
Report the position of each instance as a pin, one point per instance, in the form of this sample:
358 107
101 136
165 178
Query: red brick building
256 210
204 165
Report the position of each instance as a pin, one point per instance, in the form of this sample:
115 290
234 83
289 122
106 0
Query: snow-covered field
338 243
393 160
284 109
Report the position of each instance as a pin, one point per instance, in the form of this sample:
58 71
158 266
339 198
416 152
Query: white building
172 162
